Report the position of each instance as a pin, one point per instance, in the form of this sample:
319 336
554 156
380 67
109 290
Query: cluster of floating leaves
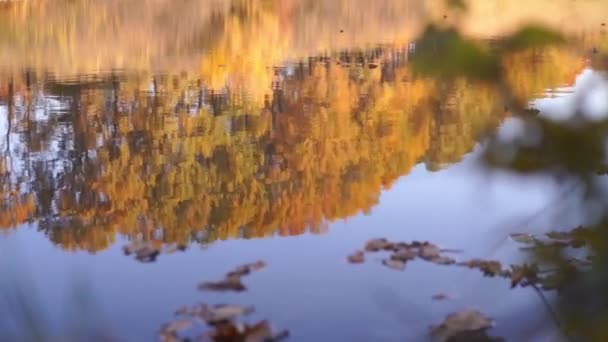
575 238
520 275
221 320
148 251
401 253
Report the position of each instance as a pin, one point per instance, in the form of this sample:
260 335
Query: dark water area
290 133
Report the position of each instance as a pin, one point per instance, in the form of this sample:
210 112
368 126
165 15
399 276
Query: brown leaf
474 336
232 283
442 260
222 312
523 238
398 265
517 274
356 258
375 245
259 332
404 254
176 326
246 269
456 323
440 296
488 267
428 251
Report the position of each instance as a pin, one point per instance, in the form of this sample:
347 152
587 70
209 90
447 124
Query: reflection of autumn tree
531 72
168 158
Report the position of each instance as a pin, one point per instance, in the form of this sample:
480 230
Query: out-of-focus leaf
444 52
532 36
232 280
375 245
398 265
488 267
440 296
456 323
356 258
523 238
227 284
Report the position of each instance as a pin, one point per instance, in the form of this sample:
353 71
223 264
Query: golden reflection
169 158
189 125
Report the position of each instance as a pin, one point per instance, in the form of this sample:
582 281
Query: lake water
290 132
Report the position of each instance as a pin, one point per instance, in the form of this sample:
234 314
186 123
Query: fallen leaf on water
440 296
442 260
193 311
176 326
488 267
144 251
428 251
523 238
356 258
559 235
173 247
228 284
398 265
247 268
232 281
404 254
474 336
223 312
456 323
258 332
524 272
375 245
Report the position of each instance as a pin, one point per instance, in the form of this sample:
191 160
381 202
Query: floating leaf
442 260
463 321
559 235
258 332
440 296
398 265
228 284
222 312
474 336
428 251
176 326
376 245
232 280
404 254
523 238
356 258
488 267
246 269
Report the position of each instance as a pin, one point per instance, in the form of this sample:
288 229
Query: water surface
290 132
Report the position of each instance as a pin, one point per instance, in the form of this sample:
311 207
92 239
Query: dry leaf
456 323
404 254
428 251
222 312
228 284
376 245
523 238
440 296
488 267
356 258
398 265
442 260
246 269
176 326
